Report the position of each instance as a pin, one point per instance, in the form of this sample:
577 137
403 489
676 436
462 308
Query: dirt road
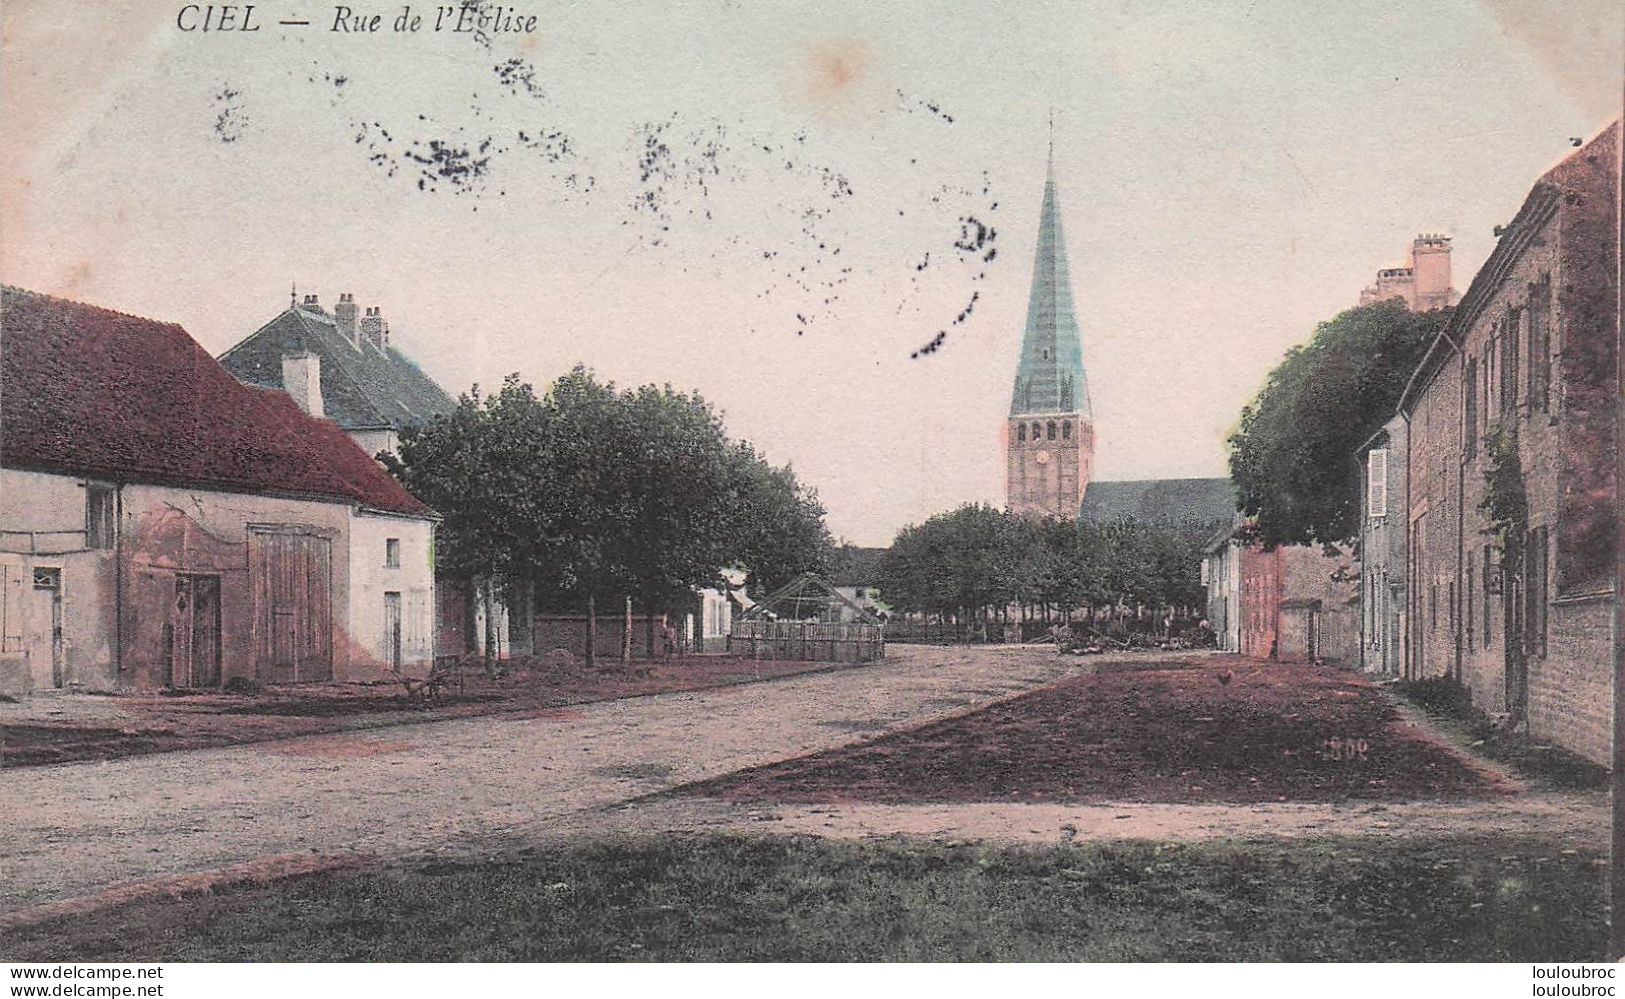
75 829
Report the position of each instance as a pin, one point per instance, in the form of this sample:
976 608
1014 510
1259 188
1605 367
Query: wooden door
293 605
392 629
44 635
195 632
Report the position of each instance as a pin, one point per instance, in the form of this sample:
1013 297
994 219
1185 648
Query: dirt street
75 829
72 831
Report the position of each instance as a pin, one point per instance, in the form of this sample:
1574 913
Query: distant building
1525 370
1293 603
341 367
1207 504
1424 282
855 575
1049 435
163 525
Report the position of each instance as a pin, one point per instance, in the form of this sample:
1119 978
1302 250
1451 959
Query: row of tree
590 494
979 561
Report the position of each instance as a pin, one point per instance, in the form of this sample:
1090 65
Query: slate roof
1161 502
363 388
92 392
1050 378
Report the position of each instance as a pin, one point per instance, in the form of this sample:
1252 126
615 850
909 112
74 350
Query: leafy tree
477 466
977 559
779 527
1292 457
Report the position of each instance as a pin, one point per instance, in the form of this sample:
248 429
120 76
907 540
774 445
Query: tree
477 465
1292 457
779 524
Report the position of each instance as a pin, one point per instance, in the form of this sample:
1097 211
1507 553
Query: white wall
371 579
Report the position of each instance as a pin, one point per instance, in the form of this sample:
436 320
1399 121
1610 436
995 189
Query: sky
820 216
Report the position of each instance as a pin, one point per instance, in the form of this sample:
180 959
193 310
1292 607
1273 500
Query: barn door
293 604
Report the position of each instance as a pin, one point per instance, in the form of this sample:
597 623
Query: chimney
374 330
344 316
1430 257
311 304
302 380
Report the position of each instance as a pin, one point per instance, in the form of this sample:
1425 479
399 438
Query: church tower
1049 437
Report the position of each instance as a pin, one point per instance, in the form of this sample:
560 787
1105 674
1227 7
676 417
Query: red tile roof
92 392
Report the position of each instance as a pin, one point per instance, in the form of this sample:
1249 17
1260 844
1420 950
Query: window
1469 410
1377 482
1489 580
100 522
392 553
1509 361
1535 590
1038 431
1540 345
1021 431
1066 430
1472 595
1050 431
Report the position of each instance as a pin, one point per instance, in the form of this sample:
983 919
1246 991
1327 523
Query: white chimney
302 379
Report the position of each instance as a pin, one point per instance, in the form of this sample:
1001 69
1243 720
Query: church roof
1050 378
363 388
1161 502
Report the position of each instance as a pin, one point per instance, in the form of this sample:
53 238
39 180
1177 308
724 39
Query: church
1049 434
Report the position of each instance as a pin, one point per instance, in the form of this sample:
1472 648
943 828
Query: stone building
1049 435
1522 384
163 525
1382 460
1424 282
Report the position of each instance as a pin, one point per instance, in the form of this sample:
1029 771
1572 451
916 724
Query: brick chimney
302 380
344 316
374 330
311 304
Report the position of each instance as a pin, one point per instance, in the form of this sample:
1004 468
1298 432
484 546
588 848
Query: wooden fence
809 641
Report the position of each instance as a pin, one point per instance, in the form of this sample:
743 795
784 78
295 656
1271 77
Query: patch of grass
743 898
1440 696
1239 731
1544 764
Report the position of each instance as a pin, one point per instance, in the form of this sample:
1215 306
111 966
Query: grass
1226 731
1543 764
744 898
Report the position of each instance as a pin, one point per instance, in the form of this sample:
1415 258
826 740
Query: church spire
1050 378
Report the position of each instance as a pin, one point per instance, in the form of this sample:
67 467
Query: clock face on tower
1043 457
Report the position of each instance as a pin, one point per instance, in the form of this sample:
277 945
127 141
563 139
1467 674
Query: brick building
1522 381
1293 603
